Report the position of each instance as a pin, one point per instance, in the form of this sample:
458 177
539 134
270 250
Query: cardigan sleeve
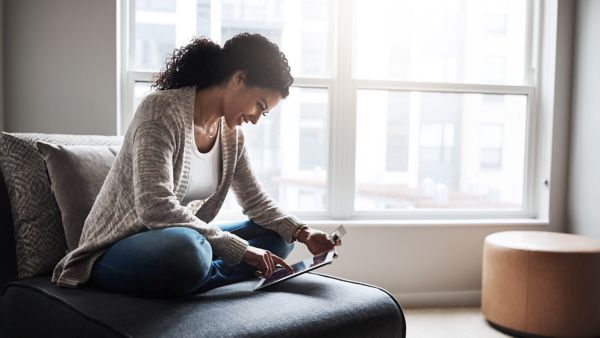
255 201
155 201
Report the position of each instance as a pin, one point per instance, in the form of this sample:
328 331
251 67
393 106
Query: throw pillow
76 176
39 236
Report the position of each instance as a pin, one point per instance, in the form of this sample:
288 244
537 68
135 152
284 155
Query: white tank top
204 172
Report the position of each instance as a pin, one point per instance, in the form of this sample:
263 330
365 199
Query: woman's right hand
264 261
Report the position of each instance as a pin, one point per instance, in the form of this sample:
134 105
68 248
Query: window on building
397 106
492 140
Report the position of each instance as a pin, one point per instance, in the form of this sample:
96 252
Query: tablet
299 268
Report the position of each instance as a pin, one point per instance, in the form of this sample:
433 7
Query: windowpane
397 132
155 5
154 41
441 40
162 26
288 150
492 139
456 154
154 33
140 90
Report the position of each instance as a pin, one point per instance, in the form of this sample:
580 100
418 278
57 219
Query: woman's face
246 104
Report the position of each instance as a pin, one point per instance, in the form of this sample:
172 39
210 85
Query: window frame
343 90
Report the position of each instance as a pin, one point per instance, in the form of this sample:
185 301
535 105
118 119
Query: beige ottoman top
544 241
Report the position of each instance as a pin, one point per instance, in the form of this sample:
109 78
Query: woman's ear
239 77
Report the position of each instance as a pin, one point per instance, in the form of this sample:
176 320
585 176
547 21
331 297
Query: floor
449 323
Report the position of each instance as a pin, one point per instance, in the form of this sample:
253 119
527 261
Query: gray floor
448 323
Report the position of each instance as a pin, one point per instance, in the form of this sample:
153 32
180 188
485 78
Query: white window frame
343 88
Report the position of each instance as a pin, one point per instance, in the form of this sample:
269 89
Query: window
399 108
491 146
397 132
288 150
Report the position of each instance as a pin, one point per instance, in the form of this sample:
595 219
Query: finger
279 260
271 263
324 248
265 266
339 242
329 245
328 240
269 267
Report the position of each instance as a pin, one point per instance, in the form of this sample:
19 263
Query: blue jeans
177 261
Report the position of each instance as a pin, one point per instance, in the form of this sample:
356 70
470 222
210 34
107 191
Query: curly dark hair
203 63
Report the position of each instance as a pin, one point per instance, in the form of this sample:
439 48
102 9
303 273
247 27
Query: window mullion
312 82
529 32
141 75
126 54
535 145
530 155
446 87
343 118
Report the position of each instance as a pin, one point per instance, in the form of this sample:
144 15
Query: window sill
526 222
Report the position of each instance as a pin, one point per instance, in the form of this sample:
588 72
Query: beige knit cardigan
149 178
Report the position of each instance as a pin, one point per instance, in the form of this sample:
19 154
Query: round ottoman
542 283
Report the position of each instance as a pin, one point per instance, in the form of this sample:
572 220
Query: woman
148 232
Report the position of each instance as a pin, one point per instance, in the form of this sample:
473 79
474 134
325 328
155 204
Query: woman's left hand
316 241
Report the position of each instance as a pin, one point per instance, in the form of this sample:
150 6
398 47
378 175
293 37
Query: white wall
60 66
584 186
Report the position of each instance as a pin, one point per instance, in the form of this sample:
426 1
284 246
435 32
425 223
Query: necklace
204 127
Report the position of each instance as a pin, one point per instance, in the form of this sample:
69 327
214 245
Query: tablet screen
299 268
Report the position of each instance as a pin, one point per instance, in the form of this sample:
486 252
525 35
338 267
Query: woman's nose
255 117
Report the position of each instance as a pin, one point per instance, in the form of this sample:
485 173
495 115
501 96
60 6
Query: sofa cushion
311 305
76 176
39 237
8 260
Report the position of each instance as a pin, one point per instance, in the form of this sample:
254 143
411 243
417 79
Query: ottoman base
538 283
513 333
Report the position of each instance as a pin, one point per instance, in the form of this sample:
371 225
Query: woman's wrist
296 234
303 234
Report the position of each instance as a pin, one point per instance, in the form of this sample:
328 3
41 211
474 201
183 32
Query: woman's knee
280 247
191 256
157 263
261 237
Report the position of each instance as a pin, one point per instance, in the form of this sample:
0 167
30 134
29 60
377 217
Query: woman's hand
316 241
264 261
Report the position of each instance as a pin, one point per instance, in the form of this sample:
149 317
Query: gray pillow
76 176
39 236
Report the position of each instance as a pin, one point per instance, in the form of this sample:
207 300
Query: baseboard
439 299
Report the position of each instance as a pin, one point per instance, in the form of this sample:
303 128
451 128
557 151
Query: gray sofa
312 305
